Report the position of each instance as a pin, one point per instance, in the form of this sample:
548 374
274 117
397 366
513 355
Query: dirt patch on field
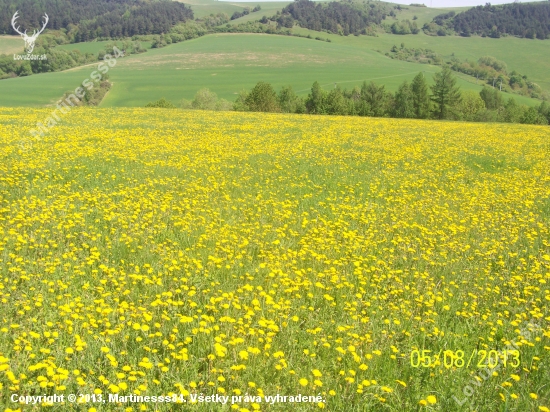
201 60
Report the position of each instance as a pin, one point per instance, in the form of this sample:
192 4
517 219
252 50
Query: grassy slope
11 44
424 14
526 56
268 9
529 57
205 7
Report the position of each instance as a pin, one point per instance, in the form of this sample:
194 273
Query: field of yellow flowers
366 262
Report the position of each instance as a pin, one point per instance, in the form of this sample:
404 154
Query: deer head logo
29 40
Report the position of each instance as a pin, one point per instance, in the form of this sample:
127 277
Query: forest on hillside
335 17
528 20
86 20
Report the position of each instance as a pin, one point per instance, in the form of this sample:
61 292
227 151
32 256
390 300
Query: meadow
159 252
203 8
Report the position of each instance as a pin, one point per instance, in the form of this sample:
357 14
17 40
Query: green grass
88 47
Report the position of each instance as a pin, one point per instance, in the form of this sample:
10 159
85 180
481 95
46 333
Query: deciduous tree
262 98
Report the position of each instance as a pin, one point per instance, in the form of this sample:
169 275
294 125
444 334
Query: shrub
205 100
161 103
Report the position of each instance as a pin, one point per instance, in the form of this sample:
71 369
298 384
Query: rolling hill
228 63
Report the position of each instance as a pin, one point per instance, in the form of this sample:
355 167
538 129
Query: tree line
414 100
528 20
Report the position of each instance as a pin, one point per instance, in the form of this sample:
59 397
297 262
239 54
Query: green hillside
226 63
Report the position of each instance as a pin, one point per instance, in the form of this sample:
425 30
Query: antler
15 17
34 34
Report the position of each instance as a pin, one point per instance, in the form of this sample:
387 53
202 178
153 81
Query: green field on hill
268 9
228 63
529 57
423 14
